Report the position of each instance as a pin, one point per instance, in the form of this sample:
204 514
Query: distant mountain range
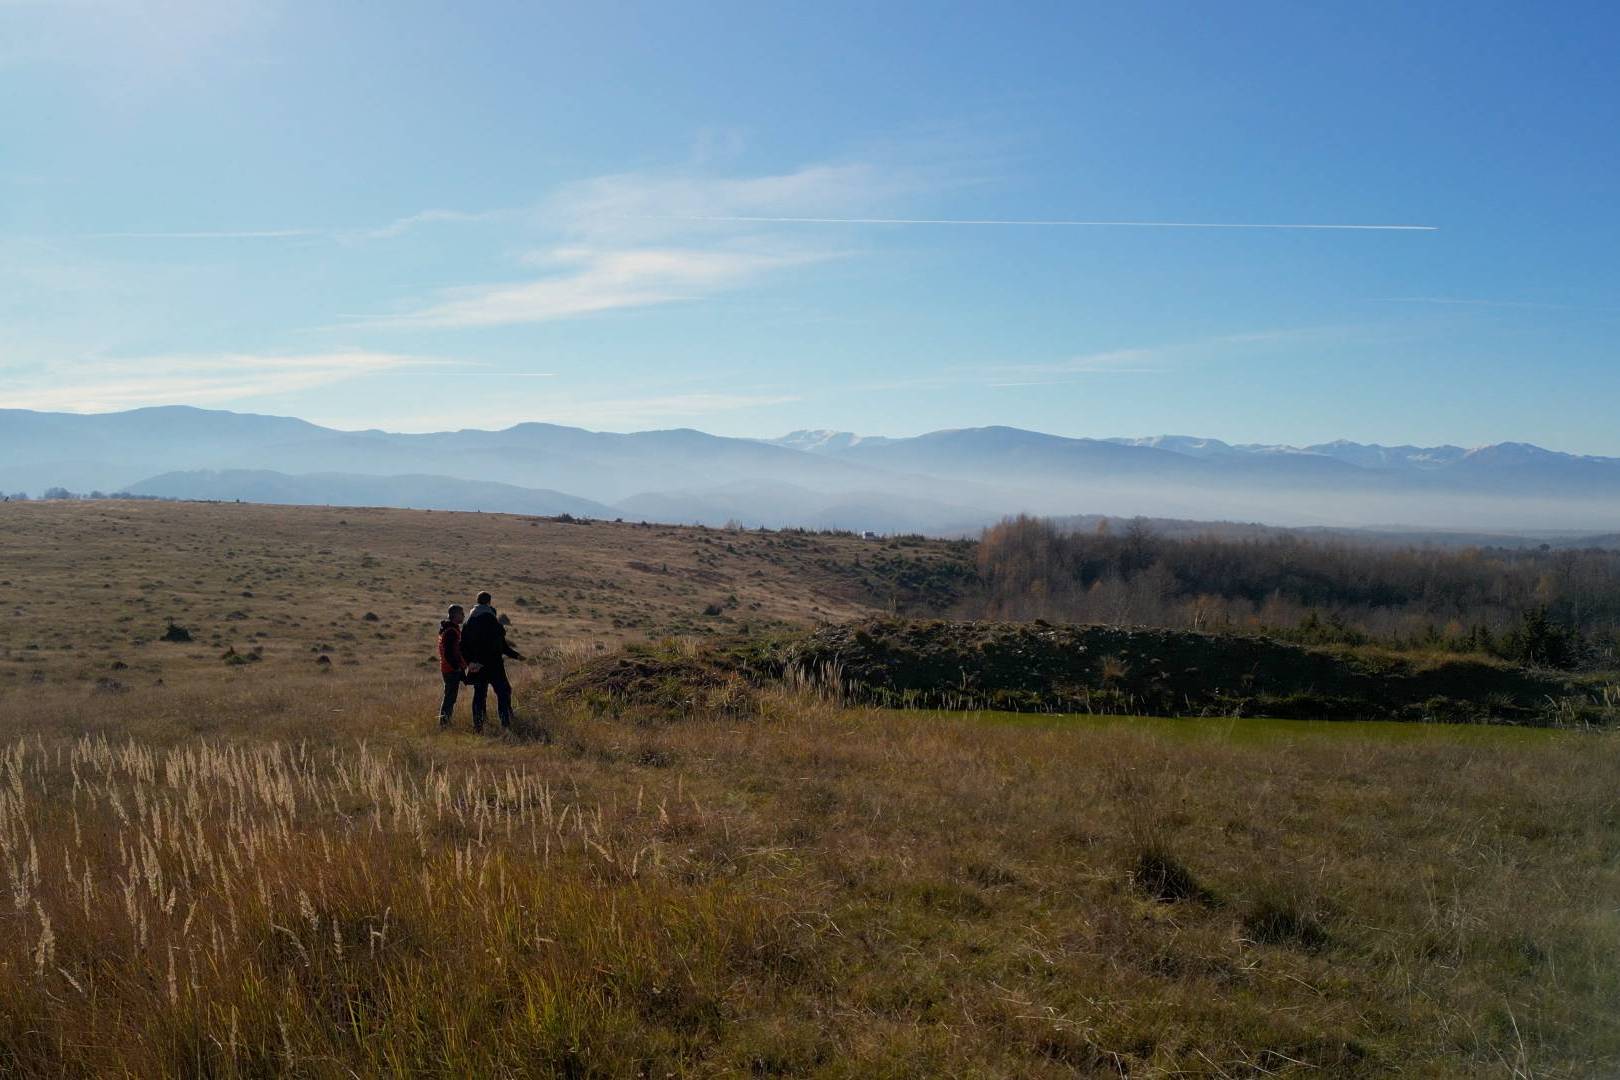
942 482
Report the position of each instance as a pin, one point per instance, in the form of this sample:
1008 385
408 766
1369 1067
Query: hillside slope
91 587
349 489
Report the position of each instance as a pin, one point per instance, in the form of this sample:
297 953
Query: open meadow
252 852
90 589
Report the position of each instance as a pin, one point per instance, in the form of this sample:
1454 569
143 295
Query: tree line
1537 605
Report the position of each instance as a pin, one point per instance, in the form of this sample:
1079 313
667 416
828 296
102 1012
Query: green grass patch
1268 729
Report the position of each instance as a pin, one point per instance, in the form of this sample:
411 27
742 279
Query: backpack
479 639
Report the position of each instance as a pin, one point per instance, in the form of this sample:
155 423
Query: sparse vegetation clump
672 679
1282 916
1161 876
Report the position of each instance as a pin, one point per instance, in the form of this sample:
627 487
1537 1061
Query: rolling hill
349 489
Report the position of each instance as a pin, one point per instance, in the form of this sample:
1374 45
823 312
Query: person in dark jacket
452 666
483 645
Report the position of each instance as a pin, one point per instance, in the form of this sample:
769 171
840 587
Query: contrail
1042 222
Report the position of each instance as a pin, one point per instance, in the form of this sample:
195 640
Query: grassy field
1259 729
90 588
280 867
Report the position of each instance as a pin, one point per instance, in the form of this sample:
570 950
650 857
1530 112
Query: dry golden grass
809 890
88 589
235 874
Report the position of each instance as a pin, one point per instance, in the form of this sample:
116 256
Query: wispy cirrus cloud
636 240
640 239
411 222
103 385
616 242
1137 361
636 206
586 281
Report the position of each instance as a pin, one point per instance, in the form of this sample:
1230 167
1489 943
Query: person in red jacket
451 664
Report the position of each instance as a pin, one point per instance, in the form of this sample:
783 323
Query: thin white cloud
401 226
107 385
588 281
1071 382
1144 360
641 204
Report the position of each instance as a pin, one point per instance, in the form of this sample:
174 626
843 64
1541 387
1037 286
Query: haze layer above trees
943 482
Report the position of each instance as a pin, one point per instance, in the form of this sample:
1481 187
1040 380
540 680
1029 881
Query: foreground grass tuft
1161 876
1283 917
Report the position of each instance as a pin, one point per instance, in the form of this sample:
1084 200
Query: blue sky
414 217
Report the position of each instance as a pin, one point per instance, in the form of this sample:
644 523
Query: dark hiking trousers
492 675
452 686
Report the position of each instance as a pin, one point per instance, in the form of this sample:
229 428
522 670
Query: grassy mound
1042 667
1039 667
664 681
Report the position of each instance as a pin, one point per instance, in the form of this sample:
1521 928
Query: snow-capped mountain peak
825 441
